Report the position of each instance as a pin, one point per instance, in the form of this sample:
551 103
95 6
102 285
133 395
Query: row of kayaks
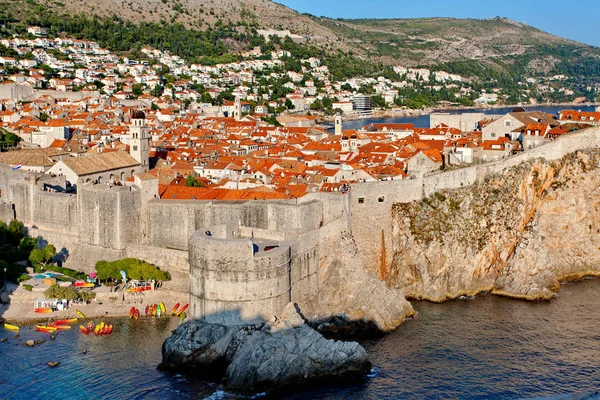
158 310
97 329
58 325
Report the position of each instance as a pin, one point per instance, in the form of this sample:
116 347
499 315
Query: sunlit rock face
516 234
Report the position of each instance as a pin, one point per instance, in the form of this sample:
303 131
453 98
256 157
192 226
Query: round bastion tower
139 143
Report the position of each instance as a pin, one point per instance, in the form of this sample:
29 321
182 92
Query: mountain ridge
499 44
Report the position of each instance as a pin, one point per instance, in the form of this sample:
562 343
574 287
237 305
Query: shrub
59 292
87 296
134 268
27 287
23 277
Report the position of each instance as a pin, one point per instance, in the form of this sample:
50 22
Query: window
507 122
134 148
381 199
493 134
361 200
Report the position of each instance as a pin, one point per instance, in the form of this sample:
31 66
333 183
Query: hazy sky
574 19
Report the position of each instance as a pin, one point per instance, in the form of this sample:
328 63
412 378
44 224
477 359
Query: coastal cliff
516 234
351 299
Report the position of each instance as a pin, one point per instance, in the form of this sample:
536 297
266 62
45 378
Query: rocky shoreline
261 357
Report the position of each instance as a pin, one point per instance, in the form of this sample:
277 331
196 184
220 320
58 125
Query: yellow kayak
81 315
11 327
162 307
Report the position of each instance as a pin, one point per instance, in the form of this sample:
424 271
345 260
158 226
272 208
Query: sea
471 348
423 120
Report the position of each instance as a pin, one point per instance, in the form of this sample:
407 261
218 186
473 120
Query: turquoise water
486 347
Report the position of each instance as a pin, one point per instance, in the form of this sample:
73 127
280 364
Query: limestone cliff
517 234
350 298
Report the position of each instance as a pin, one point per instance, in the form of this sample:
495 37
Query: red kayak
83 329
146 311
174 310
131 312
182 310
136 314
154 309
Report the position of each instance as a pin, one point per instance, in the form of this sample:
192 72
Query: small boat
182 310
81 315
65 321
174 309
131 312
159 312
60 327
90 326
83 329
146 310
84 284
136 314
163 309
43 310
101 325
45 328
154 309
110 329
11 327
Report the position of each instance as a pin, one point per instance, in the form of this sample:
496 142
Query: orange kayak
182 310
83 329
174 309
43 310
131 312
65 321
136 314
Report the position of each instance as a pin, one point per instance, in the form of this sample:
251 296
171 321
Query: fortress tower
140 140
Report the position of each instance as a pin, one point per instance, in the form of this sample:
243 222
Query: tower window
134 148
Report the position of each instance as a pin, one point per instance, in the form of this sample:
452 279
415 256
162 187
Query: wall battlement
223 271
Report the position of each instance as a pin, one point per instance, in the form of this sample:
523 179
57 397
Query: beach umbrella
124 275
93 275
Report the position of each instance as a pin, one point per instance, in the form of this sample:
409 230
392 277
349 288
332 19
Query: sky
576 19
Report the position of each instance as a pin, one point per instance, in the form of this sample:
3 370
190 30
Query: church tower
237 111
139 144
338 125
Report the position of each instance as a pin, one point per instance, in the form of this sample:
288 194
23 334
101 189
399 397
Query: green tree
191 181
43 256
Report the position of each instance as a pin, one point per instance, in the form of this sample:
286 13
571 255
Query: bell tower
237 109
139 144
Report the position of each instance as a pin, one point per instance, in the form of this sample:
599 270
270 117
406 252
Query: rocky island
263 356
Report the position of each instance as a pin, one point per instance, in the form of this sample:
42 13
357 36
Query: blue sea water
485 347
423 120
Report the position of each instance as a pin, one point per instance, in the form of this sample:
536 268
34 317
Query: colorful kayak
154 309
136 314
131 312
146 310
90 326
174 309
65 321
81 315
84 284
83 329
163 309
45 328
182 310
43 310
11 327
159 312
59 327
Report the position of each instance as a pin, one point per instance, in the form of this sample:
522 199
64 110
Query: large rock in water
261 357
